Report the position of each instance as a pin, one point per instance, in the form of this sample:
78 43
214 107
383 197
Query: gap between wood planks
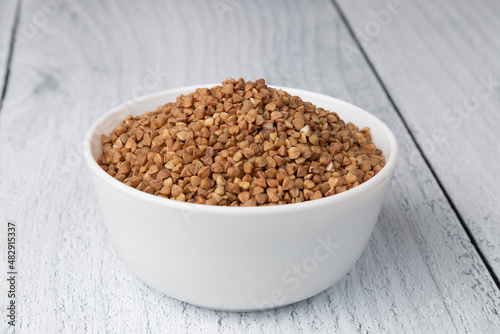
13 31
424 156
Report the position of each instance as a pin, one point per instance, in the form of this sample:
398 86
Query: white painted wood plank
440 62
418 274
7 17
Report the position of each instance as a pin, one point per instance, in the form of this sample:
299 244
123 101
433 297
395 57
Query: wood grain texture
7 18
419 273
440 63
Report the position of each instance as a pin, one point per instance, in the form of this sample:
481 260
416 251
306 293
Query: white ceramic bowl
239 258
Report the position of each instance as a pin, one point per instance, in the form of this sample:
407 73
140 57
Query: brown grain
240 144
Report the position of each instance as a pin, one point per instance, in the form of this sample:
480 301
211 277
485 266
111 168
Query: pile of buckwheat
240 144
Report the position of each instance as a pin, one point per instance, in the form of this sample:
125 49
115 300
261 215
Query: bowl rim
274 209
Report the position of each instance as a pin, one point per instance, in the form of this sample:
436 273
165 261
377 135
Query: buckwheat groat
240 144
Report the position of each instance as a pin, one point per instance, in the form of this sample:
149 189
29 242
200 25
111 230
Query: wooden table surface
429 69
